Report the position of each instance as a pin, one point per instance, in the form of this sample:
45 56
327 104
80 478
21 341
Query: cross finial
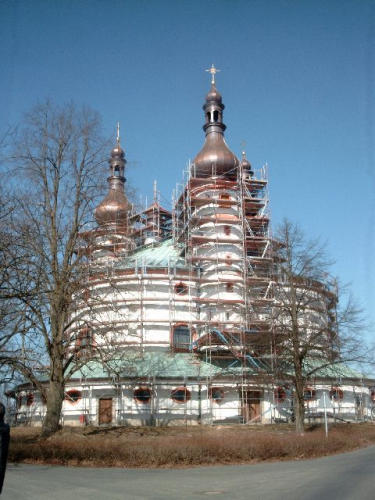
243 147
118 133
213 72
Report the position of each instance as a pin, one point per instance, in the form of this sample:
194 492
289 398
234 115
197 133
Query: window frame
217 400
279 394
85 342
180 347
185 390
184 288
68 396
336 394
140 400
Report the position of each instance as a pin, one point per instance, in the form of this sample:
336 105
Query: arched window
216 115
279 394
73 396
181 338
181 288
142 394
372 394
229 287
216 394
227 230
224 196
85 341
29 399
309 394
181 395
228 260
336 394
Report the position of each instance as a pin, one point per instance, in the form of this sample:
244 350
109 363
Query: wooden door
251 406
105 411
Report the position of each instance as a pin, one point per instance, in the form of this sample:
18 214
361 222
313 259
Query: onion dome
112 212
246 165
214 94
215 158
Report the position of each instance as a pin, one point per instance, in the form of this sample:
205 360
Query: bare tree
316 325
57 156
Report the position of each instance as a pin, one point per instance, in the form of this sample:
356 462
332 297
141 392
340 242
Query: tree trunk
299 400
55 398
300 415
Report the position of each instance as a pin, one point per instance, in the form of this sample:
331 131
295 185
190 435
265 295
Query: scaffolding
213 214
153 224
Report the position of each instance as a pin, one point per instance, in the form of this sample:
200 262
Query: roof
336 370
160 364
162 254
319 369
168 365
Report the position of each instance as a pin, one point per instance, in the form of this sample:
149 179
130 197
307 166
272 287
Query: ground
348 476
171 447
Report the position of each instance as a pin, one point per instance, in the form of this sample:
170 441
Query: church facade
174 322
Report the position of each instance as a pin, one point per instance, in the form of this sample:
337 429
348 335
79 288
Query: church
173 324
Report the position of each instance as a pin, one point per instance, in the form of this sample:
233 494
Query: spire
215 158
113 210
118 134
156 194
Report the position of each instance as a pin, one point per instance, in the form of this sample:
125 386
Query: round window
142 394
216 394
181 289
336 394
180 395
73 396
279 394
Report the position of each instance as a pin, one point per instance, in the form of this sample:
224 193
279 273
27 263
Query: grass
181 446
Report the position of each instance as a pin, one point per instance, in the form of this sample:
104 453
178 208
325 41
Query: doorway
105 411
250 406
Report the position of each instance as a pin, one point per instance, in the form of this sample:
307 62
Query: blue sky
297 79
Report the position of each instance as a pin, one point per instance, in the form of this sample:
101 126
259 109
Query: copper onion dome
215 158
246 165
112 212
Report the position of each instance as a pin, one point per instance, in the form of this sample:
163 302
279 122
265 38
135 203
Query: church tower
112 214
224 221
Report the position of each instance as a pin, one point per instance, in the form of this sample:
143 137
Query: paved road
344 477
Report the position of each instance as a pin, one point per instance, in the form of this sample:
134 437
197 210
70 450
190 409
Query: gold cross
213 72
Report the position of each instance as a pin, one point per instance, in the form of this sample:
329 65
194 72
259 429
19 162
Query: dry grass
181 446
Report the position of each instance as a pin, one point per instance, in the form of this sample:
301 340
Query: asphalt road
344 477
